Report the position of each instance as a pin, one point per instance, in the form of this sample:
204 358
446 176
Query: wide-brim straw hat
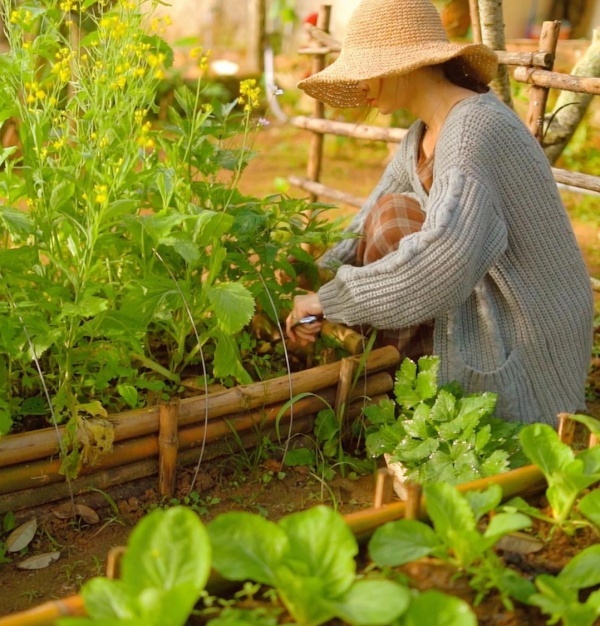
393 37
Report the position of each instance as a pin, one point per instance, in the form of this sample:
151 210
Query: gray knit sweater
496 265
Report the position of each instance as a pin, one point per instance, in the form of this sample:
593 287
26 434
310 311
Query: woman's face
387 94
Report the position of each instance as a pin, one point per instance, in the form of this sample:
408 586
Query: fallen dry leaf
68 511
39 561
21 536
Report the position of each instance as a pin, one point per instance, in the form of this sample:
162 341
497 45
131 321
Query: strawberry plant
441 434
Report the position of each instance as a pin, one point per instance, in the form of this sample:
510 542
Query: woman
465 238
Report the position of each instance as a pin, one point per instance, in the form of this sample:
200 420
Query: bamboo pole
538 96
315 151
43 443
384 488
345 129
47 613
566 428
576 179
557 80
414 495
521 481
323 190
168 445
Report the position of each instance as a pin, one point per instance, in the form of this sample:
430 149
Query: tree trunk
492 34
571 107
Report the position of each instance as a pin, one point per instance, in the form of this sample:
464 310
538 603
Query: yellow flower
249 95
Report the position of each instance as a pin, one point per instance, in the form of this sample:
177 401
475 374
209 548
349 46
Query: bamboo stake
414 494
538 96
344 388
566 428
43 444
168 445
384 488
315 151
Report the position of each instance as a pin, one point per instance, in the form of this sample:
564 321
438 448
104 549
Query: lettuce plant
568 476
456 539
163 574
309 558
440 434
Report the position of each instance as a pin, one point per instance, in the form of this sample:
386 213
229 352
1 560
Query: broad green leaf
106 598
386 439
415 449
227 360
87 306
543 448
16 222
589 506
304 597
434 608
321 544
233 306
247 546
372 603
483 501
504 523
495 463
300 457
397 543
444 407
129 393
583 570
160 549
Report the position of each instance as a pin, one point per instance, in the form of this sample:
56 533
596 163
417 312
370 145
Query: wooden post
168 445
384 488
315 152
566 428
538 96
475 21
412 509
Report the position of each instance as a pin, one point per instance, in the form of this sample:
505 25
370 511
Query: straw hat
391 37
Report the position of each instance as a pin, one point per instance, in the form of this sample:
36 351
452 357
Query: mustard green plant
129 254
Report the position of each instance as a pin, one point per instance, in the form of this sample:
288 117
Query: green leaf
403 541
108 599
504 523
129 393
322 545
160 549
227 360
434 608
543 448
589 506
304 597
583 570
300 457
384 440
233 305
372 603
247 546
484 500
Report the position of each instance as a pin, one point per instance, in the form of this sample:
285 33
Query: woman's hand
304 305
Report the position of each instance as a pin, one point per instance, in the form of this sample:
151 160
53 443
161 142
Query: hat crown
393 24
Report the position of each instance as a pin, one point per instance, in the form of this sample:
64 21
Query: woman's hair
457 72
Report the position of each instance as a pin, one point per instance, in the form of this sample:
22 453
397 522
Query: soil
255 485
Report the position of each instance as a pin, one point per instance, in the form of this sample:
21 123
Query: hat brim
337 85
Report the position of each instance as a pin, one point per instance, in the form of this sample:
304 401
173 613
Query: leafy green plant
568 476
559 596
163 574
129 254
440 434
456 539
309 558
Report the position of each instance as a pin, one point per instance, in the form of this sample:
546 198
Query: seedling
456 539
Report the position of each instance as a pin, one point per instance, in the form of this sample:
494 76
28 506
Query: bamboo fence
156 440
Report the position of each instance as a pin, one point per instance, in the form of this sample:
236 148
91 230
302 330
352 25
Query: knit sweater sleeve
395 179
434 269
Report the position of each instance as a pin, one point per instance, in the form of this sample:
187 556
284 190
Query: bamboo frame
21 448
168 445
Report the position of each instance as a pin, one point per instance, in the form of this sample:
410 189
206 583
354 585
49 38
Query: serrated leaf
21 536
233 306
39 561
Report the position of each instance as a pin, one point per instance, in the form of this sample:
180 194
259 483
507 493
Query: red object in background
311 19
